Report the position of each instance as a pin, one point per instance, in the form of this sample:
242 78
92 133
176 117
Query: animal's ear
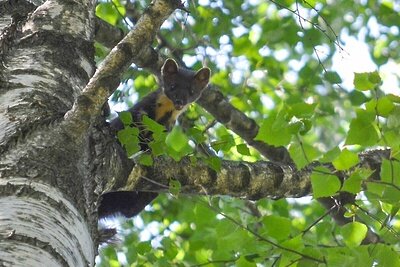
202 77
170 67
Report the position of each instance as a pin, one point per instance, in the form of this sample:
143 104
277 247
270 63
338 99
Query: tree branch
238 179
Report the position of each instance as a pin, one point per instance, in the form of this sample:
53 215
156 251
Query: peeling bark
47 204
39 226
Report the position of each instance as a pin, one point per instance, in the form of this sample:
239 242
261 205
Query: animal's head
183 86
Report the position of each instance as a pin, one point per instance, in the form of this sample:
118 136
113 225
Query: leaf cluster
273 61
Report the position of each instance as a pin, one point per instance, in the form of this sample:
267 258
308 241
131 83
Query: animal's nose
179 104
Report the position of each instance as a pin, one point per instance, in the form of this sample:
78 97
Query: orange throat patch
165 106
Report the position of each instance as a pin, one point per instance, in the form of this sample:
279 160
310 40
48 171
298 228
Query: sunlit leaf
214 163
143 247
302 154
146 160
323 183
382 107
174 187
275 130
353 183
363 130
277 227
177 139
125 117
353 233
366 80
345 160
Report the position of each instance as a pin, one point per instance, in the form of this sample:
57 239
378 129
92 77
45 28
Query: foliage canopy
285 65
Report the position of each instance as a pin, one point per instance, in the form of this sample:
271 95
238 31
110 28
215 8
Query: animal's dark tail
127 203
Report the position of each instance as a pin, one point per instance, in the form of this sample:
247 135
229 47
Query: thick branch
238 179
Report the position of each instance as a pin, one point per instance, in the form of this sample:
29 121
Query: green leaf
302 110
323 183
346 160
353 183
131 148
129 138
354 233
243 262
174 187
393 121
374 77
366 80
306 127
391 195
363 130
394 98
389 192
214 163
243 149
107 12
170 249
294 127
392 140
390 172
158 147
361 82
177 139
332 77
146 159
125 117
152 125
143 247
275 130
331 155
303 154
295 243
385 255
276 227
391 210
357 98
384 192
382 107
385 106
128 134
225 143
312 252
196 135
203 215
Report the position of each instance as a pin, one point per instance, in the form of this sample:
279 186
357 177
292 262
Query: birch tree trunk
47 201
